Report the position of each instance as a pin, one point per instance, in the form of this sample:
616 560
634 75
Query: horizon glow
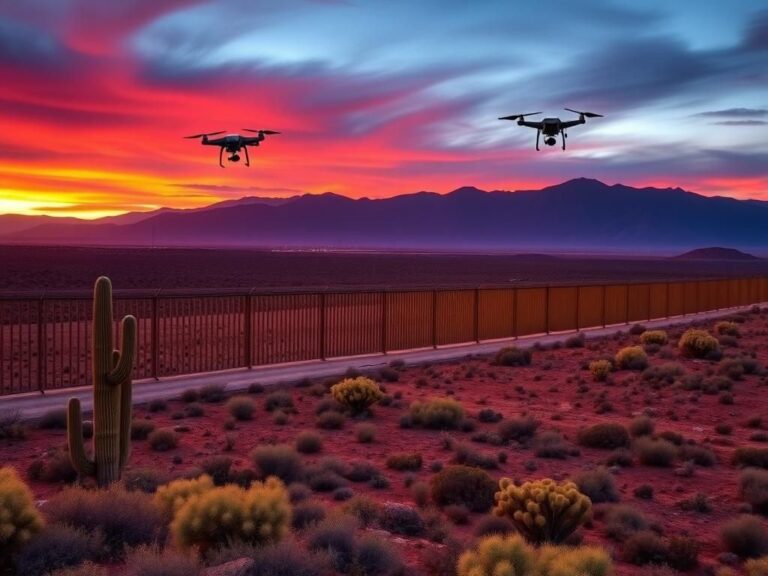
374 99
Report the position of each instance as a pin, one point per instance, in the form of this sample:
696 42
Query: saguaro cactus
112 395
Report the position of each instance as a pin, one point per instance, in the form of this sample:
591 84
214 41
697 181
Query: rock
728 558
234 568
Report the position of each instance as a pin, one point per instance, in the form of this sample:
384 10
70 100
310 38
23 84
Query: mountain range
580 214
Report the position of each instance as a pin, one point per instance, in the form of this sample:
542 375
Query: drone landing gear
247 159
221 155
538 134
564 137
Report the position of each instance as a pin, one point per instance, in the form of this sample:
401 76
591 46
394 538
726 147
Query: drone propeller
206 134
519 116
268 132
585 114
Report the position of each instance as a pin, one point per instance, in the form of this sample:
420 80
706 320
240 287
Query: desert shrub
658 337
225 514
699 455
457 514
600 369
465 485
279 400
365 433
731 368
324 480
404 461
218 468
437 413
156 561
598 485
308 442
620 457
671 436
637 329
551 444
307 514
55 467
389 374
488 415
84 569
342 493
542 510
632 358
644 548
190 395
146 480
510 555
604 435
513 356
194 410
279 460
255 388
683 553
336 537
163 439
55 419
241 407
330 420
575 341
467 455
698 344
157 405
665 373
727 328
654 451
375 556
622 521
172 496
141 429
488 525
364 508
420 492
641 426
19 518
285 558
752 457
745 536
58 546
360 471
402 519
753 486
517 429
696 503
212 393
357 394
11 425
123 518
756 566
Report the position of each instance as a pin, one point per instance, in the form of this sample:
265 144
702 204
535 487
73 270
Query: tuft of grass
241 407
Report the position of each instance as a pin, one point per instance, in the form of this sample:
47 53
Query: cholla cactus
357 394
112 395
19 519
543 510
172 496
220 516
512 556
600 369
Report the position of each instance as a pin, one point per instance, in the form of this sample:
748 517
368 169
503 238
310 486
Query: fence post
546 309
322 325
248 330
384 312
434 318
602 308
155 337
514 313
578 307
477 315
626 305
40 346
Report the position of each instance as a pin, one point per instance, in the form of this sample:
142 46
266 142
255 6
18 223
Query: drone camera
550 141
234 158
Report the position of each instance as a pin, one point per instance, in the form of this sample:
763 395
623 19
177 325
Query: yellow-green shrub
19 519
511 556
357 394
227 514
654 337
543 510
600 369
440 413
757 566
171 497
632 358
727 328
697 344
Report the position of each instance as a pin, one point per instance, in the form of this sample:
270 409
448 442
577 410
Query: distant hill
717 253
580 214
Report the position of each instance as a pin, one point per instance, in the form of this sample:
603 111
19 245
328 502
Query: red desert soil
548 390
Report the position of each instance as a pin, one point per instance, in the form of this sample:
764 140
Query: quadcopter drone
551 127
233 143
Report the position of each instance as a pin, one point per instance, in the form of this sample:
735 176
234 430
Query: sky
373 98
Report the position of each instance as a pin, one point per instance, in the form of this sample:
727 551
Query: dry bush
437 413
751 457
308 442
241 407
745 536
753 487
163 439
600 369
19 518
632 358
658 337
465 485
404 461
279 460
58 546
654 452
517 429
357 394
598 484
512 356
623 520
698 344
604 435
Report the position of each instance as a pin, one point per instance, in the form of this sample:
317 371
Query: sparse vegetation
632 358
437 413
658 337
464 485
605 435
698 344
357 394
600 369
513 356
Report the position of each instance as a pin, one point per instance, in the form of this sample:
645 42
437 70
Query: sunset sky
374 98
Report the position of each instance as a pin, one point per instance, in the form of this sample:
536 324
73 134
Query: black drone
551 127
233 143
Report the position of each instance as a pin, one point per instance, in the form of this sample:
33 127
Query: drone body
233 143
551 127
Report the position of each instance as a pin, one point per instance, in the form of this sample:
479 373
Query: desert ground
663 494
53 269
